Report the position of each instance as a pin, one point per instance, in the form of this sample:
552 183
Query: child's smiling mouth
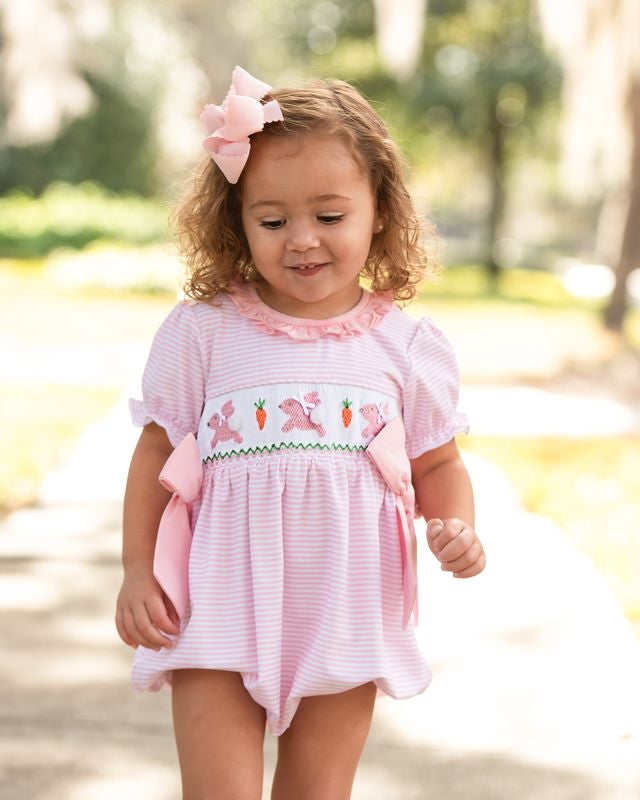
308 269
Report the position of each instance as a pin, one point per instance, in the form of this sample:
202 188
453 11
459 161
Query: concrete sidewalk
535 693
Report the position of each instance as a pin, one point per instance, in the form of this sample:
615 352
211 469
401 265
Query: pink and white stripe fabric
295 570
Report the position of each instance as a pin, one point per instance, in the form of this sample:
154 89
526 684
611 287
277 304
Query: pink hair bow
387 451
230 125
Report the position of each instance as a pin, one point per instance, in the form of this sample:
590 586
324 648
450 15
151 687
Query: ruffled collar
365 315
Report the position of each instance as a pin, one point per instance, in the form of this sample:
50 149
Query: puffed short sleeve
173 381
430 403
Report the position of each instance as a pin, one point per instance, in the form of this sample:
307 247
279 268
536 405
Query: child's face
298 226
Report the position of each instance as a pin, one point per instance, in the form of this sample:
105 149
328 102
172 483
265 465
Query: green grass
74 216
470 281
468 285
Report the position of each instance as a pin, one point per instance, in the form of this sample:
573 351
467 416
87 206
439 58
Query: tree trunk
496 207
629 257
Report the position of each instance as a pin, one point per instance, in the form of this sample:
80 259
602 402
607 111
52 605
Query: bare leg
219 731
318 754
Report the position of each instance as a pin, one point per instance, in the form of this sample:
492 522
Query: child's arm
445 498
140 608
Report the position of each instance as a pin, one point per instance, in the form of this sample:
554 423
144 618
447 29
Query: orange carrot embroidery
261 414
347 413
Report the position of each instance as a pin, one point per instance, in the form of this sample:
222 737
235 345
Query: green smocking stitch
289 445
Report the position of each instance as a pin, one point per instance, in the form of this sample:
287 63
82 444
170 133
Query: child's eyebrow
331 196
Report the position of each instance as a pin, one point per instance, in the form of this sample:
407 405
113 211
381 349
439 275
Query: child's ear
380 220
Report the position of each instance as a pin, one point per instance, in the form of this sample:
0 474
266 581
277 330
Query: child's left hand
457 547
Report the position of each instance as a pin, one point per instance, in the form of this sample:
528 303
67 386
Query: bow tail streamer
182 475
409 549
171 557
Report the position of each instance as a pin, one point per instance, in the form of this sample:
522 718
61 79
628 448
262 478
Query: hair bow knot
229 125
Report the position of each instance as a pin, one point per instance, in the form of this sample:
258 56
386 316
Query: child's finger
473 569
135 632
159 616
457 547
470 556
148 634
434 527
122 631
171 611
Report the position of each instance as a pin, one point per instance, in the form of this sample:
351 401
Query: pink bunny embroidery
226 425
375 414
304 413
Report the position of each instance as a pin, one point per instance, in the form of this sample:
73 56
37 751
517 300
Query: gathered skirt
295 582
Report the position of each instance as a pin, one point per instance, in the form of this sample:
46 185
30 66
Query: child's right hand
144 612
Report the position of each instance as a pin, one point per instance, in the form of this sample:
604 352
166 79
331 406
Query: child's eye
275 224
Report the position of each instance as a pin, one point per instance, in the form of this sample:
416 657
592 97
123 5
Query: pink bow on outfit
230 124
387 451
182 475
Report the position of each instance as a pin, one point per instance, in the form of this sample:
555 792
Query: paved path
535 692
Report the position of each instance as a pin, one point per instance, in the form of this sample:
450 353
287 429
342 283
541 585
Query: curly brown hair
208 220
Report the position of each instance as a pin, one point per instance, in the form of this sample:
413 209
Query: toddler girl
296 418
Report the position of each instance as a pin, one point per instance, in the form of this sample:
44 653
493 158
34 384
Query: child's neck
332 306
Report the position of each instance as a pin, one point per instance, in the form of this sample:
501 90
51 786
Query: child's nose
302 236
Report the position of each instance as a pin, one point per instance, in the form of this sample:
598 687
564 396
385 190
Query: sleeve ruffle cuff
458 423
143 412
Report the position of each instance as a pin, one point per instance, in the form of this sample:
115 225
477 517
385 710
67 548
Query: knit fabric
295 570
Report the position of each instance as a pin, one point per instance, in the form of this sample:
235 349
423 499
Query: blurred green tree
484 70
113 144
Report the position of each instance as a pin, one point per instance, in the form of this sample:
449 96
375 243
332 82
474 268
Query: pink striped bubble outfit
295 571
